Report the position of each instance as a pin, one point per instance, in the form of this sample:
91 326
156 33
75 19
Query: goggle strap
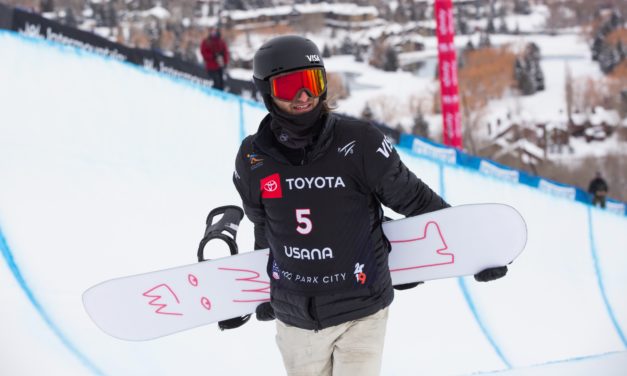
262 86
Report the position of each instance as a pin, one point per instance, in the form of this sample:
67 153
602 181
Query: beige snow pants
353 348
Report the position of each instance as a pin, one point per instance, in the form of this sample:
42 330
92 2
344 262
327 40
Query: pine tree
533 52
490 29
110 15
609 58
622 53
503 28
390 62
359 57
534 57
46 6
416 13
346 48
462 26
597 45
326 51
616 19
70 18
469 46
484 40
524 77
528 71
420 127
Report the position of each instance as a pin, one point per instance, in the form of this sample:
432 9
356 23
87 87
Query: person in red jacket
216 55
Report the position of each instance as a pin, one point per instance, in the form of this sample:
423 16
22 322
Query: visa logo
313 58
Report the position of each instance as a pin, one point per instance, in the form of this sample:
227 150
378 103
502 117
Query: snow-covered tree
608 58
390 61
421 126
528 71
326 51
490 29
70 18
484 40
524 78
358 54
347 47
46 6
503 28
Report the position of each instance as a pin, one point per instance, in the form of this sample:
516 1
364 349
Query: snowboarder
215 53
313 184
598 190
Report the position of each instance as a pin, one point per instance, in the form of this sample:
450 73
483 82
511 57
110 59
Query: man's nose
303 96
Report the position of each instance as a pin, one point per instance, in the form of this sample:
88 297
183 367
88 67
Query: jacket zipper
304 159
314 314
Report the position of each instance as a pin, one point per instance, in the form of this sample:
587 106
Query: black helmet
283 54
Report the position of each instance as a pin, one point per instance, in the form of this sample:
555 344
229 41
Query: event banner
449 94
36 26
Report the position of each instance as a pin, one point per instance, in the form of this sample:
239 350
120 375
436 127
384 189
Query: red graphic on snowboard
434 247
165 299
162 296
253 277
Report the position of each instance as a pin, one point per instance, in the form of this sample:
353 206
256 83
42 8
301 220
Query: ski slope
108 170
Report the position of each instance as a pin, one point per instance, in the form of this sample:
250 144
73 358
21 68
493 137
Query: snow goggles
286 86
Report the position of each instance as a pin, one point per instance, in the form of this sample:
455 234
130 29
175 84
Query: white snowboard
457 241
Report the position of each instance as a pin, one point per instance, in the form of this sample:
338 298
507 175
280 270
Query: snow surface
120 182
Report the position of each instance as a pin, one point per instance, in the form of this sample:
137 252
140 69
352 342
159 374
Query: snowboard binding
224 229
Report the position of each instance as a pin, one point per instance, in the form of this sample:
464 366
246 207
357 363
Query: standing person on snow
313 183
598 190
215 53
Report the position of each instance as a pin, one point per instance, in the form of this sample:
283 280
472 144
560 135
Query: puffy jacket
597 185
321 218
211 48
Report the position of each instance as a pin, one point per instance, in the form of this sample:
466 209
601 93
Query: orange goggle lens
285 87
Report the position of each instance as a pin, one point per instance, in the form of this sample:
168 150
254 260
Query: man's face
302 103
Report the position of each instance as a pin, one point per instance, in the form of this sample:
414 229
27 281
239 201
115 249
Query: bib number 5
304 222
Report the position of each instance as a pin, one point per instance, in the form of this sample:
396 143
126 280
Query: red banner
449 94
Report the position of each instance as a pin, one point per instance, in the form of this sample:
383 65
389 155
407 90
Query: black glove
407 286
233 323
264 312
491 274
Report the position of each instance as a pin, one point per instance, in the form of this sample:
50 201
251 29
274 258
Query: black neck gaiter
296 131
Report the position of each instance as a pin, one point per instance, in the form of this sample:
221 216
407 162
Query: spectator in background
598 189
216 56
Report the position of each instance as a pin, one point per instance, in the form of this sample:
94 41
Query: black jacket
318 209
597 184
